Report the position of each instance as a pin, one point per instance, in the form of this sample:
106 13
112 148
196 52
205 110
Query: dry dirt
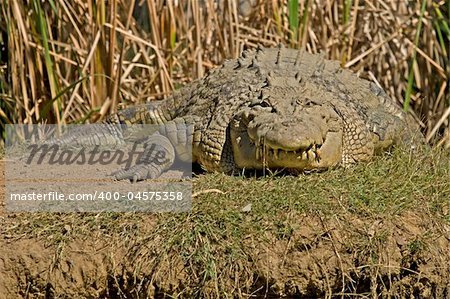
324 256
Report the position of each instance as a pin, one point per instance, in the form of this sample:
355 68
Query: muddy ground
268 240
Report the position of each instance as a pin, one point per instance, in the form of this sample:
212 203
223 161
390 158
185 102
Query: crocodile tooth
275 153
317 156
304 156
264 152
311 155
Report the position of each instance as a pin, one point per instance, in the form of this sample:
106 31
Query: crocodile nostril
265 104
250 117
287 123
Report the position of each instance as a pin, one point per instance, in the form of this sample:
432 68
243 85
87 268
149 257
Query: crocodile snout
288 135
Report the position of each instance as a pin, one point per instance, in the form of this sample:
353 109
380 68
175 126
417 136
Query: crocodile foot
138 173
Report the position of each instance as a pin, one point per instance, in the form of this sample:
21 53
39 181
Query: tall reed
76 61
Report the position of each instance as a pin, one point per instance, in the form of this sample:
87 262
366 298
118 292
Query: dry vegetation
76 61
363 235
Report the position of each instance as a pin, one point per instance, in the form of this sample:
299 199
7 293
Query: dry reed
75 61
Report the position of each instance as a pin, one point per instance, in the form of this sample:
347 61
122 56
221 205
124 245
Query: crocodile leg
157 157
174 140
357 144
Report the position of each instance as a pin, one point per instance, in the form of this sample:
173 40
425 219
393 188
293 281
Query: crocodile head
301 133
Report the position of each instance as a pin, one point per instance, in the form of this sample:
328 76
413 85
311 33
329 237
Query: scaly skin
277 108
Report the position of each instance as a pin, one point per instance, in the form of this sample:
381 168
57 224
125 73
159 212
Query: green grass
347 9
409 88
386 187
42 25
293 19
217 240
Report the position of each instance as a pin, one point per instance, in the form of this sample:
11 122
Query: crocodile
271 108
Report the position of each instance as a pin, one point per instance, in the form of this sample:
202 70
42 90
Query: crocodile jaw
253 155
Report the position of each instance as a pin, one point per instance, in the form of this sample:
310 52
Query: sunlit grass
356 214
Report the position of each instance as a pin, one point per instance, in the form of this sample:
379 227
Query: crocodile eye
310 103
263 104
